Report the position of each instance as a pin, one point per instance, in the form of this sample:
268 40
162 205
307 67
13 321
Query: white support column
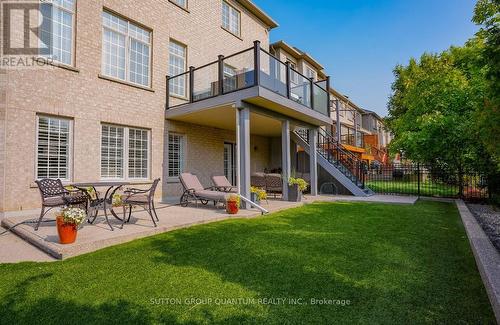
243 144
313 160
285 156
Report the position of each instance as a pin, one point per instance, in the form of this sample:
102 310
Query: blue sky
360 41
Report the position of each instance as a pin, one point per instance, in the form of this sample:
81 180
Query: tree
431 110
487 15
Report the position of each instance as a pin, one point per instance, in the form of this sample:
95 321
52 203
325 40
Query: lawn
376 263
411 187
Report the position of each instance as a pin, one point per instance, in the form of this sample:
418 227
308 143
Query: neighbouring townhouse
144 89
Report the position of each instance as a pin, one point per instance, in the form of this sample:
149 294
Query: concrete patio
94 237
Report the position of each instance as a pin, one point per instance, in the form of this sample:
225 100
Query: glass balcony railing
244 69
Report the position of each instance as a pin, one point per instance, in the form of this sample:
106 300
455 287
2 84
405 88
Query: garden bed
489 219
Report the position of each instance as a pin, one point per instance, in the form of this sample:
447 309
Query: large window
310 73
53 148
176 153
177 65
126 50
124 152
57 29
230 19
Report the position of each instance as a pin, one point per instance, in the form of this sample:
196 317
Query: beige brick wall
205 153
89 100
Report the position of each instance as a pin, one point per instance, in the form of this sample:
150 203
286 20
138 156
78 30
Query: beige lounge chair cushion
190 181
221 181
212 195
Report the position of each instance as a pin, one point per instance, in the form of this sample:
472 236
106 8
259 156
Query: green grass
411 187
395 264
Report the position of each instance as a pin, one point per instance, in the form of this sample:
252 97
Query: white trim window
53 141
126 50
294 76
176 154
231 18
310 73
57 29
176 66
138 153
125 152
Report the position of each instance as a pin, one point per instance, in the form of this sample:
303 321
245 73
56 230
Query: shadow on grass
395 264
51 310
387 273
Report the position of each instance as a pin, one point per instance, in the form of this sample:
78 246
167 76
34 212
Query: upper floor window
57 29
126 50
180 3
53 136
230 18
294 77
310 73
177 65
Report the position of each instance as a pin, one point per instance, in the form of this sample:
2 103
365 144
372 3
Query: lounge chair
193 190
221 183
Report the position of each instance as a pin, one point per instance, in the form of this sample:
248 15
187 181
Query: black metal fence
427 180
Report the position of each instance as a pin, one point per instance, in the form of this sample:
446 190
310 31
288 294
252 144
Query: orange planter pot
67 232
232 207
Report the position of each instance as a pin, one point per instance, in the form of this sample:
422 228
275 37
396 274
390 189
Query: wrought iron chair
55 195
143 198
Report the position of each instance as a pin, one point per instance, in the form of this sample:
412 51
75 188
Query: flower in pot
67 224
295 188
257 194
233 204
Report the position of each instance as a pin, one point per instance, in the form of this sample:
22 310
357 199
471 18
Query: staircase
344 166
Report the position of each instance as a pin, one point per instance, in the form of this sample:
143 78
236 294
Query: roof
259 13
346 99
367 111
297 53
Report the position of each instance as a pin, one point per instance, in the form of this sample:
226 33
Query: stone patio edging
486 255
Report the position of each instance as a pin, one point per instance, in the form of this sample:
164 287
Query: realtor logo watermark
26 37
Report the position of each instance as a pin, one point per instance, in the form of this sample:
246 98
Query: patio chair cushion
212 195
221 181
190 181
135 198
54 201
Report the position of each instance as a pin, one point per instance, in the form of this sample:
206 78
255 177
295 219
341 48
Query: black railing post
167 92
191 83
256 62
311 85
221 74
418 179
287 79
328 96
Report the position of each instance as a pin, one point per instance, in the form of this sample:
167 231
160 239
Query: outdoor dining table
104 203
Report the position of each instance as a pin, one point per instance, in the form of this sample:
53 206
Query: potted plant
295 188
233 204
257 194
67 224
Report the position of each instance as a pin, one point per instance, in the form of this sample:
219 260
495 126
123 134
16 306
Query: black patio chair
142 198
55 195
